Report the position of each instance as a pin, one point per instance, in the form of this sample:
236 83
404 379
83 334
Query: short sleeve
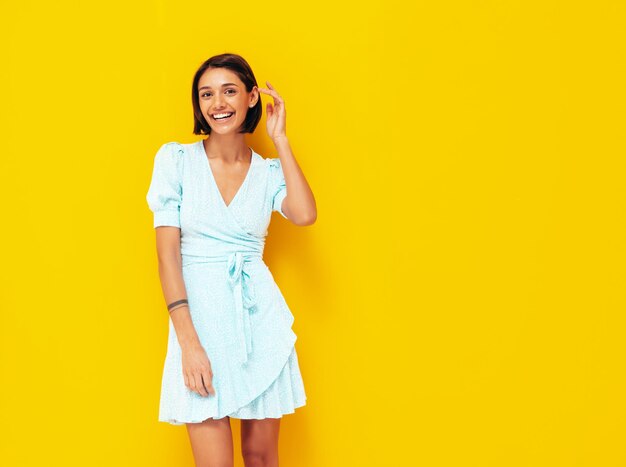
279 188
164 195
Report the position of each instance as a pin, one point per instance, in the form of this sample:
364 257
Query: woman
231 350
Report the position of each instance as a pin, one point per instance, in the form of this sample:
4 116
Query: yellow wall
460 300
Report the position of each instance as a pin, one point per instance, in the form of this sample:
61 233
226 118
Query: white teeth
222 115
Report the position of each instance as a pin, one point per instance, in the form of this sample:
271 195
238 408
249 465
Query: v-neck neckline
210 170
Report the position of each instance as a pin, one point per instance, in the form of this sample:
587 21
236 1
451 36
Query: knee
253 457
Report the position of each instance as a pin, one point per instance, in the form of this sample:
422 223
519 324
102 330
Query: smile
222 117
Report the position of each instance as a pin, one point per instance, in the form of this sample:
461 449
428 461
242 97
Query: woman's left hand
276 115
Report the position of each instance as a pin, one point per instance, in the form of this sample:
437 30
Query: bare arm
196 365
171 275
299 205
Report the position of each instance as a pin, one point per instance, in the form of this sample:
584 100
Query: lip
223 119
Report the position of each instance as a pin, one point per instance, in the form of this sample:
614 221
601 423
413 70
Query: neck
229 148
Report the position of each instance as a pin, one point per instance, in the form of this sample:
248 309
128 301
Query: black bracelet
173 304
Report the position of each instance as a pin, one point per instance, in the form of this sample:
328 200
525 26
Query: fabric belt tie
245 301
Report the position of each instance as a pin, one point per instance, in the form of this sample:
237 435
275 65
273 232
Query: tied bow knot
245 302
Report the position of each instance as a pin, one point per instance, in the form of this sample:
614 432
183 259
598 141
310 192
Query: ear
254 96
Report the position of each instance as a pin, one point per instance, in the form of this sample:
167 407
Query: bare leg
212 442
259 442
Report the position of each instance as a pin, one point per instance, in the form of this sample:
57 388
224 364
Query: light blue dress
238 311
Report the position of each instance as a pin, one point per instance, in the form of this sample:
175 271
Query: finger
199 386
190 382
208 384
203 389
269 92
273 92
212 388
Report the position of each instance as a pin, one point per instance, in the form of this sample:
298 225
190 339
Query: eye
234 91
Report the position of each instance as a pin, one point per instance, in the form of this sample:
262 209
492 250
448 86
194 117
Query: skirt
254 378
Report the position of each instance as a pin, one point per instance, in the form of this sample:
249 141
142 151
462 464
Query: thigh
211 442
260 437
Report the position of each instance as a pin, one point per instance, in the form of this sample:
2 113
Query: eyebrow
209 87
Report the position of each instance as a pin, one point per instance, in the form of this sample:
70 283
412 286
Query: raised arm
297 202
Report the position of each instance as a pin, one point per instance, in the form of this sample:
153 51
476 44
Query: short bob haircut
238 65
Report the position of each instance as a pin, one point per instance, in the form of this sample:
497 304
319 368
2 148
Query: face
221 92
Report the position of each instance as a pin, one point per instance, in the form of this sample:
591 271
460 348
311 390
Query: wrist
189 344
279 139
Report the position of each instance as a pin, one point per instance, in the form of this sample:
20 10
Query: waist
238 256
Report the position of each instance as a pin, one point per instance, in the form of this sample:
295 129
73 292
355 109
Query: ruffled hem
283 396
235 398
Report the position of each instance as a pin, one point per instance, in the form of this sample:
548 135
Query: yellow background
460 299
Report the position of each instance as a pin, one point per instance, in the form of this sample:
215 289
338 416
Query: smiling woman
231 348
212 92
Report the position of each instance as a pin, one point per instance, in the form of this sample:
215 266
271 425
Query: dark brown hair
238 65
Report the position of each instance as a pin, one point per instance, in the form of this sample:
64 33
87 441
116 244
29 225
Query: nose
218 101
